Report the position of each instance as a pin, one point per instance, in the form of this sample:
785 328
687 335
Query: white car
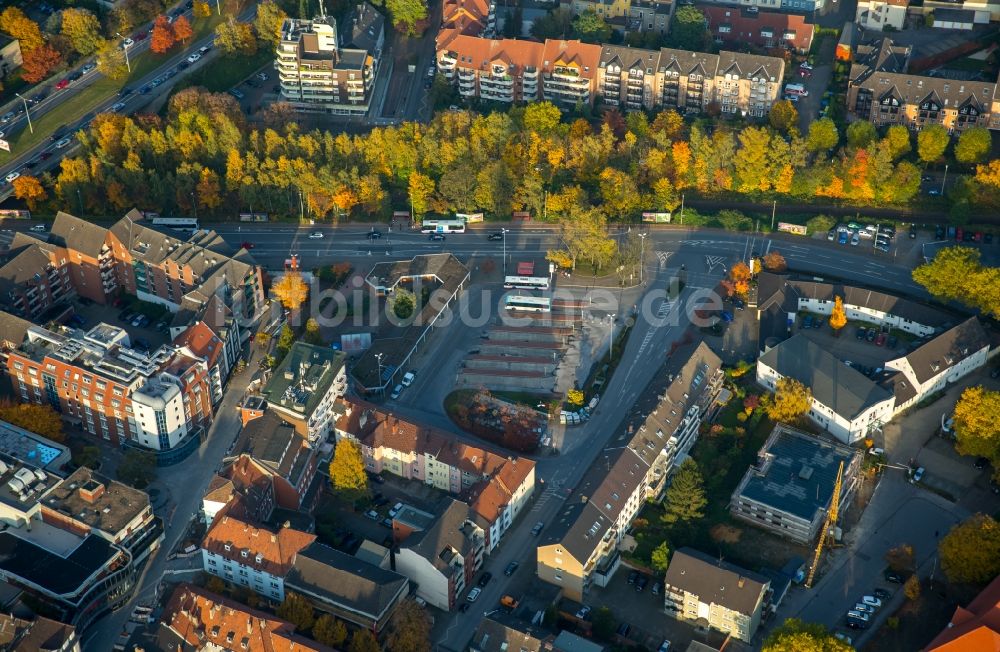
474 594
127 43
194 57
316 235
13 175
262 76
871 601
918 475
855 240
396 391
408 378
62 143
863 608
805 65
395 510
117 107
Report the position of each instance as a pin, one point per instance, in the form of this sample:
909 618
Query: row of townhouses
845 402
100 379
571 73
580 548
74 544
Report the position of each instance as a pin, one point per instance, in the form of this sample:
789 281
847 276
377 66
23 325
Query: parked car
880 340
485 579
127 43
372 514
871 601
855 240
41 228
408 378
474 594
397 508
831 235
511 568
641 582
918 475
872 334
858 615
536 530
864 608
842 238
807 321
882 594
583 612
374 234
464 608
894 577
436 237
61 84
62 143
396 391
861 333
632 577
892 342
981 463
87 68
194 57
10 177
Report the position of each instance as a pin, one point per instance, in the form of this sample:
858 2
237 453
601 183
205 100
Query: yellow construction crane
828 525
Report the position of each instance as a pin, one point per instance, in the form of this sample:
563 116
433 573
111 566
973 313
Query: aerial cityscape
466 326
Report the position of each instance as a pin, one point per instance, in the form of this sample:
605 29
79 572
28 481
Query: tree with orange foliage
838 318
738 282
345 199
291 290
30 190
38 63
162 38
182 29
681 152
774 262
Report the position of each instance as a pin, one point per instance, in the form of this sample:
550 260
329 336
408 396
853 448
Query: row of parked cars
865 609
854 233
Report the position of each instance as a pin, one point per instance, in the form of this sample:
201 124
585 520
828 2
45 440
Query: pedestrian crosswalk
544 498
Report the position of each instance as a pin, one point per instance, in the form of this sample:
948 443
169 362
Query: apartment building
796 6
700 588
278 451
877 15
304 389
650 16
75 545
254 556
244 489
580 548
509 70
199 340
159 400
497 488
763 29
153 265
442 559
323 72
469 17
197 619
789 490
40 633
881 91
354 591
32 281
738 83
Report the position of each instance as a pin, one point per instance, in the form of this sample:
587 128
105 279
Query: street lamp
504 232
642 255
381 387
611 342
27 113
194 203
945 179
125 50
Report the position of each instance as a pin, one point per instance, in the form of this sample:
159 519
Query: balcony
635 81
505 82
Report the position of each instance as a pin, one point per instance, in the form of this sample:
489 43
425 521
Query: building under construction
790 488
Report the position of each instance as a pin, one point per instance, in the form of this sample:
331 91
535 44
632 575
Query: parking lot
858 343
148 333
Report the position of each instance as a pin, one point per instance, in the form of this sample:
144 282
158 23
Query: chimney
92 491
742 581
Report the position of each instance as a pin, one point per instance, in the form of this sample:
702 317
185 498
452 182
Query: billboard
253 217
796 229
470 218
16 214
656 218
4 145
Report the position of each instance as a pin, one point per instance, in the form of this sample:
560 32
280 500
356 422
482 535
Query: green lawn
225 72
97 93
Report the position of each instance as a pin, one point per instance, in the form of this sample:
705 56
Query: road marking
663 256
768 249
712 261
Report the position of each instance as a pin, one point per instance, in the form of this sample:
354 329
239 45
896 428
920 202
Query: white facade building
879 14
158 412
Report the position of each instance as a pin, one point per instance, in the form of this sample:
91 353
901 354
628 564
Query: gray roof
13 328
493 636
303 378
373 553
364 28
26 259
449 532
948 349
845 390
716 582
600 496
954 16
345 580
795 473
570 642
77 234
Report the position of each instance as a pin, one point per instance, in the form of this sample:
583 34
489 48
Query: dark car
871 335
856 624
819 322
913 231
140 36
485 579
892 576
981 463
85 301
126 315
882 594
247 245
189 4
30 165
183 65
374 234
436 237
58 133
892 342
45 156
511 568
987 238
633 576
967 236
861 333
640 583
39 97
73 76
938 232
738 304
496 236
377 479
125 92
465 607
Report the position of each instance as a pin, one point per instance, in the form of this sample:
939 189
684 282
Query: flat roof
303 378
56 574
21 484
100 502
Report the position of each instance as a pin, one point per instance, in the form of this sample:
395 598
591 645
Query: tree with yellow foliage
799 636
574 397
838 318
970 552
39 419
738 282
291 290
30 190
976 415
792 399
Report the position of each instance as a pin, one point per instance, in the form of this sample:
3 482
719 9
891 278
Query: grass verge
225 72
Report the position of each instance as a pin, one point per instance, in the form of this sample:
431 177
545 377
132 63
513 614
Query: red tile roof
975 628
745 27
465 16
202 341
200 617
277 549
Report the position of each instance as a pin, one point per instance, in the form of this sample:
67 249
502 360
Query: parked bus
185 224
528 304
796 89
443 226
526 282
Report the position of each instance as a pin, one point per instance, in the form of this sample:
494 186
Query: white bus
526 282
185 224
528 304
443 226
796 89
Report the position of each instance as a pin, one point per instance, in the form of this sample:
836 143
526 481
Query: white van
796 89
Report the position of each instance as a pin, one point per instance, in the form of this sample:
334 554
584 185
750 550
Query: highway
159 82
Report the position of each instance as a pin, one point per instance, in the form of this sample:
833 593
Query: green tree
403 303
591 27
329 631
685 499
861 133
313 334
347 471
235 38
976 415
822 136
665 197
973 145
137 468
899 141
541 117
215 584
796 635
820 224
363 640
556 24
406 14
970 552
296 610
783 116
285 341
791 400
955 274
753 172
82 29
932 141
268 22
660 557
409 629
89 456
604 624
688 31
